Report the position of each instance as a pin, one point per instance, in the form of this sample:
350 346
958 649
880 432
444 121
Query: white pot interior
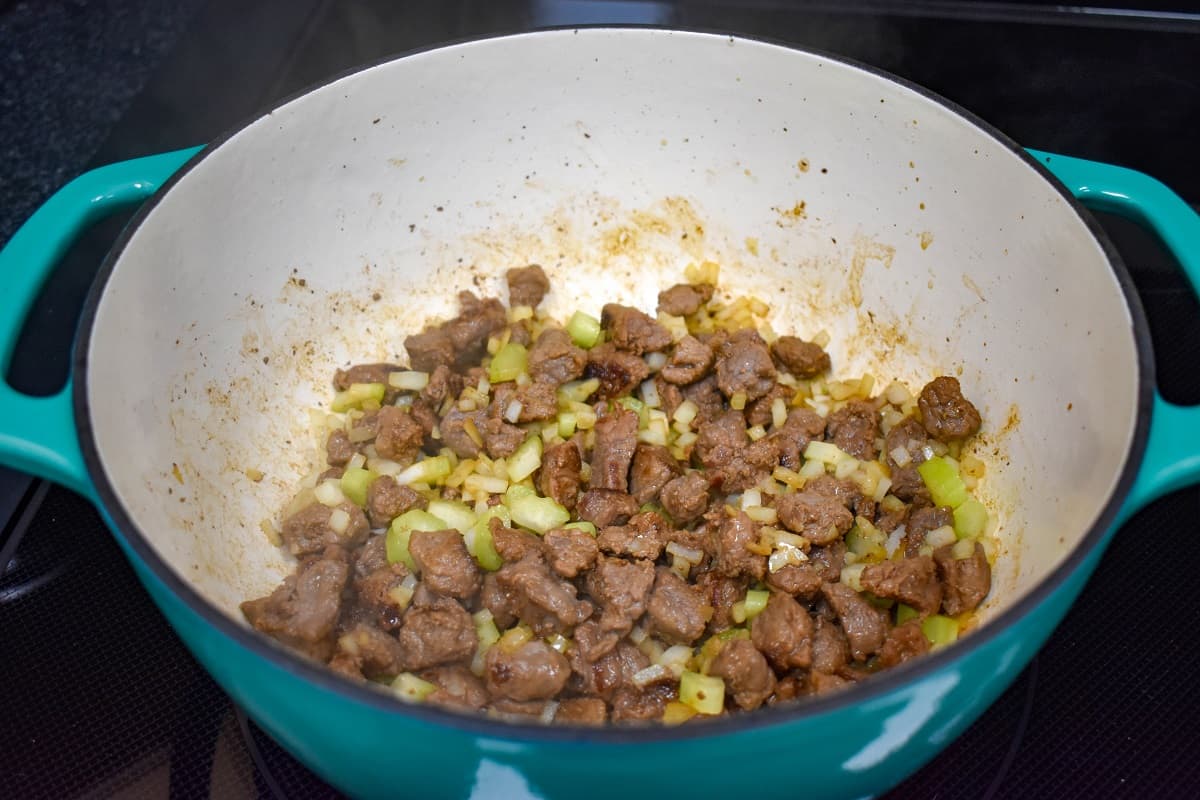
613 158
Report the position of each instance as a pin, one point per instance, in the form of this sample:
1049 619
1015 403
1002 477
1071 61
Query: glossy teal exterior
370 750
1172 458
38 435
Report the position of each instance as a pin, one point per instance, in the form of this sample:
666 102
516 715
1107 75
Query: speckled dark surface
68 72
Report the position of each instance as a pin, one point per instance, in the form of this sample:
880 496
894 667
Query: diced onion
897 393
384 466
755 433
676 659
651 674
329 493
339 521
785 555
512 412
789 477
686 412
894 539
690 554
825 452
656 361
778 412
881 489
940 537
548 712
649 392
963 548
737 401
901 456
408 380
845 468
852 576
762 514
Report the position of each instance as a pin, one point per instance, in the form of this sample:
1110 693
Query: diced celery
584 330
525 461
427 470
516 492
566 424
578 392
756 601
945 486
905 613
582 525
508 363
970 519
355 483
411 689
633 404
939 630
485 629
676 712
539 514
401 531
733 633
737 612
356 394
703 693
453 513
480 543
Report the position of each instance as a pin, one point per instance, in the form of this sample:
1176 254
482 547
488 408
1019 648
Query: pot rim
892 680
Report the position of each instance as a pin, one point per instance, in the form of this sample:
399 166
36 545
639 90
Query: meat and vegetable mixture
629 518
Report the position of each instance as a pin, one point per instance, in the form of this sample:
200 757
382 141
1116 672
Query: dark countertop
68 73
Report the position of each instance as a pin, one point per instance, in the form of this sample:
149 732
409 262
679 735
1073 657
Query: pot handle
1172 459
37 434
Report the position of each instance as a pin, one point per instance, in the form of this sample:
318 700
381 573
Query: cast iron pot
321 232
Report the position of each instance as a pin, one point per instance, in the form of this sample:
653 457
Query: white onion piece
329 493
339 521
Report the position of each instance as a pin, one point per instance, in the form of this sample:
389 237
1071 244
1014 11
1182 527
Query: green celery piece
355 483
401 531
454 513
483 547
525 461
970 519
939 630
756 601
538 514
356 394
411 689
704 693
508 363
905 613
584 330
945 486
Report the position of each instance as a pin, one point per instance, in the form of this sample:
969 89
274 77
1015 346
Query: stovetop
100 698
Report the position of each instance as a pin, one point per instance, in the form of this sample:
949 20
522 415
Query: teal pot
922 240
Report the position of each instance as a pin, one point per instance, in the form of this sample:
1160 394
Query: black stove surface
99 697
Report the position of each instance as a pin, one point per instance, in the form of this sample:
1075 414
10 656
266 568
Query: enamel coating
238 260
